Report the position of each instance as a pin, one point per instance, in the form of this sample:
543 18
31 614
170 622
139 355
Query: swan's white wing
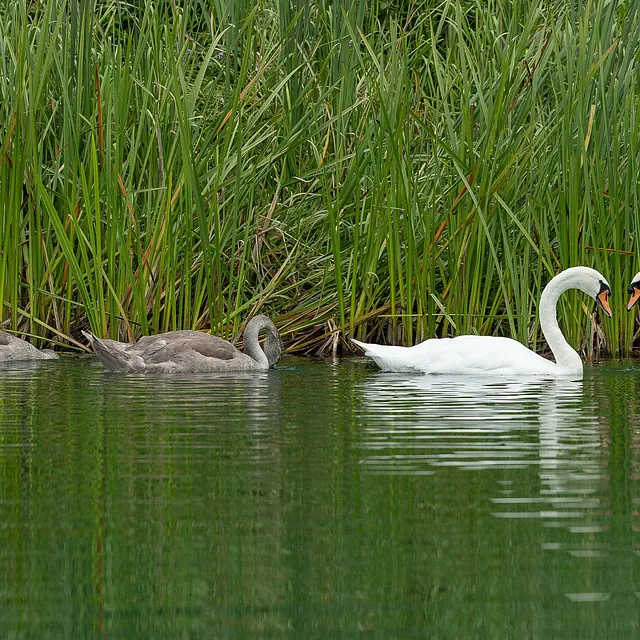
467 355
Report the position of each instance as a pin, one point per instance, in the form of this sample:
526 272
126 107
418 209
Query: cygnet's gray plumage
191 351
14 349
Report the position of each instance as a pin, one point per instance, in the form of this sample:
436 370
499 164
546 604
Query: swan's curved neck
251 345
566 357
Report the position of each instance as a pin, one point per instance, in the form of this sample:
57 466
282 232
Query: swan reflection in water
204 401
416 424
20 367
545 433
538 460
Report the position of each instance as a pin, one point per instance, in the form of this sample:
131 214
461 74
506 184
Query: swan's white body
495 356
464 355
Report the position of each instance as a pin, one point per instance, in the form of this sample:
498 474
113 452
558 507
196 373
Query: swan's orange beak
635 296
603 300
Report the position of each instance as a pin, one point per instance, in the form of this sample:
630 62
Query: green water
317 500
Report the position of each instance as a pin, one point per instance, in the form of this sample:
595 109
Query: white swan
634 291
191 351
14 349
490 355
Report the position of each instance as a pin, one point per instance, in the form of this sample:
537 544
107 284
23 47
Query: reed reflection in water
317 500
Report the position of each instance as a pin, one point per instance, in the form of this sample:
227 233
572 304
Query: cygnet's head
634 291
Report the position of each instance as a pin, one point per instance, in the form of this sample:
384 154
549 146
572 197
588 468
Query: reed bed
385 170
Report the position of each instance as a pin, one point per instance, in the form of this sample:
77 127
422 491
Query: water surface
317 500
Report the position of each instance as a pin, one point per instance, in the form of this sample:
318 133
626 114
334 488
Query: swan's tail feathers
111 353
388 358
371 350
362 345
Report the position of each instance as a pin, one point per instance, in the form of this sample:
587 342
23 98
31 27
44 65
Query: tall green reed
393 172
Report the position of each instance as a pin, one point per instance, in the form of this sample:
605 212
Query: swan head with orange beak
602 297
634 292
